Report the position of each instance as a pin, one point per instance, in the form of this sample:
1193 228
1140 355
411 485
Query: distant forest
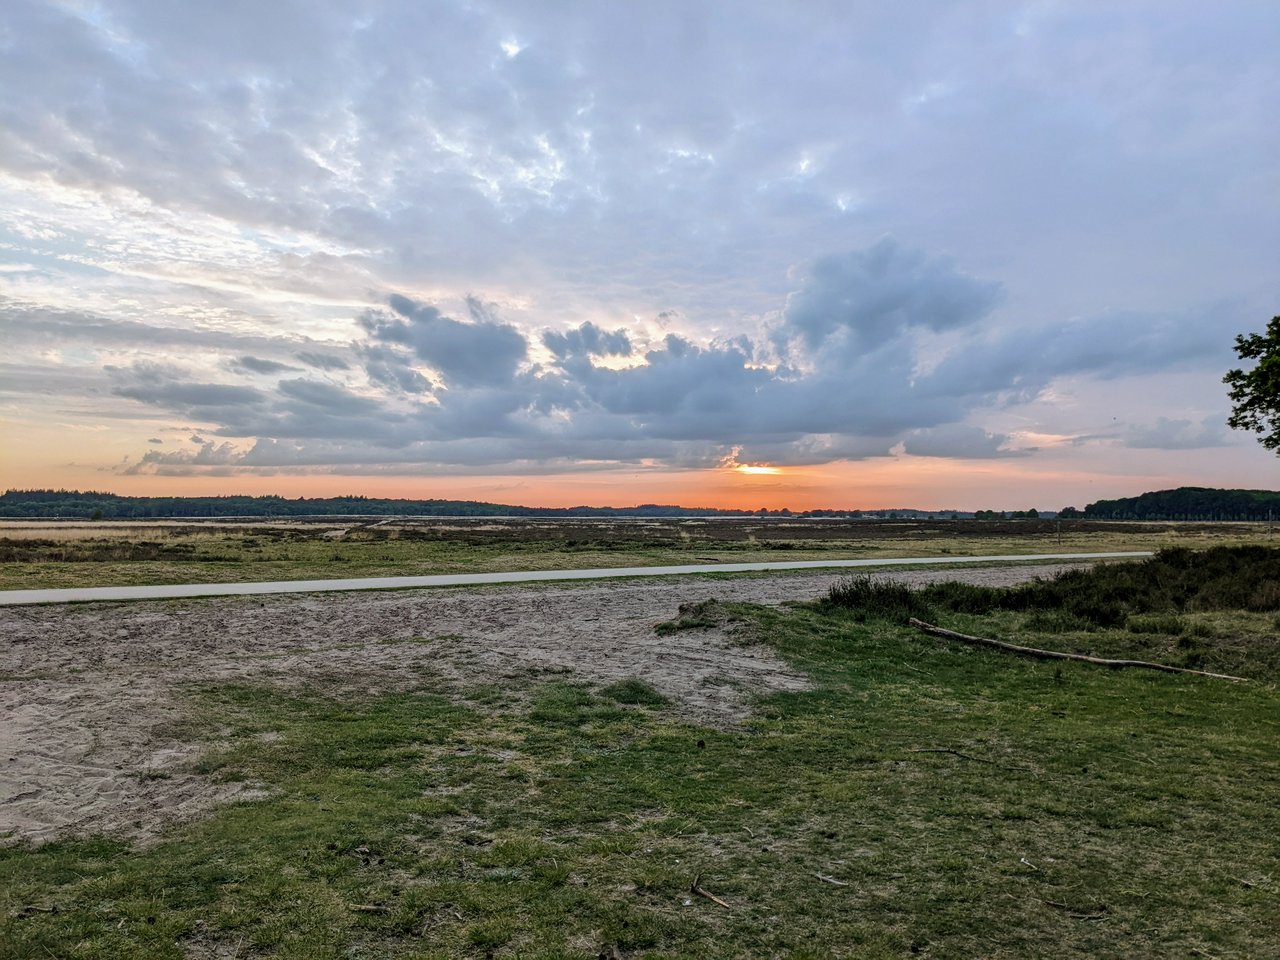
109 506
1185 503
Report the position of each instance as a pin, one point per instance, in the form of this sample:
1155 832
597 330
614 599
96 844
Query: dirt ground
89 693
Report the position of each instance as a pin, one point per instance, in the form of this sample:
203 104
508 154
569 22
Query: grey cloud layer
844 381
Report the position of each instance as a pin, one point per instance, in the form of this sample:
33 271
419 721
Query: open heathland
37 553
537 772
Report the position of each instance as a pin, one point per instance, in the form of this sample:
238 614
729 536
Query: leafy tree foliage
1255 394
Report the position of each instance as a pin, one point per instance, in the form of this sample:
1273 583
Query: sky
737 254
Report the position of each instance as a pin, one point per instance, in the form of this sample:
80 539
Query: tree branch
1055 655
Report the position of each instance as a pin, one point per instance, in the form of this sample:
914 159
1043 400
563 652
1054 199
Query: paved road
9 598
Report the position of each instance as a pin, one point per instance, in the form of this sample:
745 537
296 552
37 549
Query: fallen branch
1055 655
831 880
370 908
696 888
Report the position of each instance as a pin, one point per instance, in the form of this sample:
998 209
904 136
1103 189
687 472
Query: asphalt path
12 598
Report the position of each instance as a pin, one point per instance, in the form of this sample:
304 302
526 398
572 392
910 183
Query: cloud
167 387
326 395
1167 434
322 361
392 368
959 442
1021 362
26 323
209 455
858 301
247 364
587 340
483 352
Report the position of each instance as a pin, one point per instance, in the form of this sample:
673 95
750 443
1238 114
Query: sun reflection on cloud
750 469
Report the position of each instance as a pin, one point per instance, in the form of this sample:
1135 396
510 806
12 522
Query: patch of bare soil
89 693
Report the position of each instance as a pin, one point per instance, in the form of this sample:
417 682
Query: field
540 772
36 554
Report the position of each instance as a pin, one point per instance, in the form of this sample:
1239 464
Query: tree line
1184 503
97 505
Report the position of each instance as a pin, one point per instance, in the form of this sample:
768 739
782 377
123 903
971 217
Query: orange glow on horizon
1048 482
864 485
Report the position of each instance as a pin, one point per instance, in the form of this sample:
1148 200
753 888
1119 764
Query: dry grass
76 553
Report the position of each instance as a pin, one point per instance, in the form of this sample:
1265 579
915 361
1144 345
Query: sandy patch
89 692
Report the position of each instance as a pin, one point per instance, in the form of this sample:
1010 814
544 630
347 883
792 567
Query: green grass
966 803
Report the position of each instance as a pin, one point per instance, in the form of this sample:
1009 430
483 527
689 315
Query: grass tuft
634 693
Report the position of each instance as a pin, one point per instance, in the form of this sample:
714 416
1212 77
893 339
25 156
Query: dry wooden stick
1055 655
831 880
697 889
